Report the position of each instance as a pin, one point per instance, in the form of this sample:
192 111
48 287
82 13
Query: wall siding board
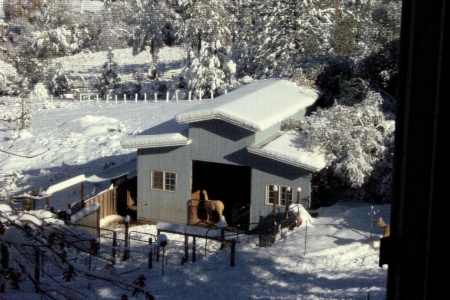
266 171
220 142
154 205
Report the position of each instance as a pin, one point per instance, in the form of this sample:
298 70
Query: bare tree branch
24 156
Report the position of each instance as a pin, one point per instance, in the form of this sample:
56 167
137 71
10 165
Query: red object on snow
299 221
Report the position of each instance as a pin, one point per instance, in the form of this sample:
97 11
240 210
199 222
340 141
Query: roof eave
147 145
285 160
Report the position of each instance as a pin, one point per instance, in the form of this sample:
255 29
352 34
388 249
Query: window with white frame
282 194
163 181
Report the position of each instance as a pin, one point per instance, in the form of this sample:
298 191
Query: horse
212 205
386 228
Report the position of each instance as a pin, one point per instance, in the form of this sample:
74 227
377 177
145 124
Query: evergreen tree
109 78
149 26
207 31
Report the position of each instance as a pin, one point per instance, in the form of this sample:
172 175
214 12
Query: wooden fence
107 201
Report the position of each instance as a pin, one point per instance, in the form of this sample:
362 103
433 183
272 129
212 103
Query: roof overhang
288 148
156 141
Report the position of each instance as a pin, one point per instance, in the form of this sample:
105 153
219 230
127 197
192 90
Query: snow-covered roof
156 141
288 147
63 185
256 106
84 212
116 172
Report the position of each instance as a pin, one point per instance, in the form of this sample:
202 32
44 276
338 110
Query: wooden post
194 255
190 95
115 98
150 254
288 202
222 239
157 248
150 259
306 234
127 223
114 245
261 228
186 247
124 98
299 189
36 268
82 195
274 212
167 97
156 97
135 97
145 97
233 250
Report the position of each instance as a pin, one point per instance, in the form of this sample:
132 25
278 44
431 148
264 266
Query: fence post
156 97
261 217
306 233
194 256
274 213
176 95
212 94
222 239
150 259
150 254
36 267
186 247
233 250
114 245
288 190
167 97
124 98
96 98
299 189
145 97
127 223
115 98
190 95
135 97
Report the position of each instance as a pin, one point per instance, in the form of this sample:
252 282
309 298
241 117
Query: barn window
164 181
283 193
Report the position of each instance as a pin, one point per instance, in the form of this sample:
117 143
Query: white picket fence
89 97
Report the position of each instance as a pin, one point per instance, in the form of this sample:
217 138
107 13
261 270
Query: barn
231 147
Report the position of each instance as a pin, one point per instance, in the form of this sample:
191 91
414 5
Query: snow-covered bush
39 91
357 141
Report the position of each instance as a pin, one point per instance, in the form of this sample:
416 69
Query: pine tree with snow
207 31
149 28
109 78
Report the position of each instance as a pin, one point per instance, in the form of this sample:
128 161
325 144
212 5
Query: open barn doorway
228 183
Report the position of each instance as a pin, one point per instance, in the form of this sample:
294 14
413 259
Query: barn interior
228 183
